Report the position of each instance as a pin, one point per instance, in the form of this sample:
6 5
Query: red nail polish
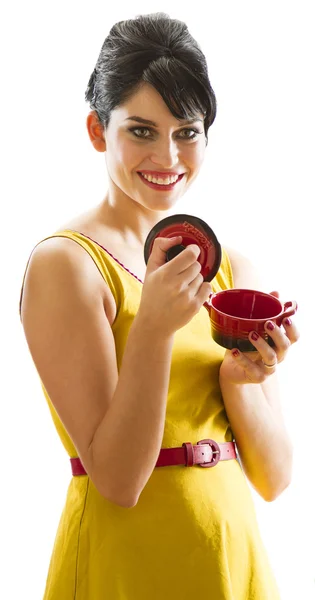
288 321
235 352
254 336
270 325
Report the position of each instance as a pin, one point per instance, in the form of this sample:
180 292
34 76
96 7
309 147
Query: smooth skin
68 310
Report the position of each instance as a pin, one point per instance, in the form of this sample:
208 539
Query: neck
128 219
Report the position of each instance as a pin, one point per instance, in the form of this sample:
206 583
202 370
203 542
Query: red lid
193 231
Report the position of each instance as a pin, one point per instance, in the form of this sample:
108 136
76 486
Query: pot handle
207 304
290 309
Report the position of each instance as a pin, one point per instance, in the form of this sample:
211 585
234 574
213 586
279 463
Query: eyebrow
147 122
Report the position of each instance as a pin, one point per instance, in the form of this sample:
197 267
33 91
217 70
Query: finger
279 337
203 292
267 353
254 372
275 294
185 259
195 285
182 261
188 276
160 246
291 330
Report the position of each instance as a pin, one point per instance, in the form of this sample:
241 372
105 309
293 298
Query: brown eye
139 132
134 130
190 137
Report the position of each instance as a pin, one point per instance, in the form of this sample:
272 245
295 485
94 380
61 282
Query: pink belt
206 453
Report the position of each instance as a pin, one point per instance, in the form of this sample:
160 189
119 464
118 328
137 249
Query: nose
165 153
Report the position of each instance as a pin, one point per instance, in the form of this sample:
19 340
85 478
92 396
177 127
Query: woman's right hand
173 292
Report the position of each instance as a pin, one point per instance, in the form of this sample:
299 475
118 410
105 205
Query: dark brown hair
158 50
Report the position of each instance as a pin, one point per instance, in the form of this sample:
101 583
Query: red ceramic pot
234 313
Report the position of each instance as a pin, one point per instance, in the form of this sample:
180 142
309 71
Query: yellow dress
193 533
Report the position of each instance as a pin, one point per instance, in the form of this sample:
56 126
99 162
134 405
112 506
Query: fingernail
254 336
235 352
287 321
270 325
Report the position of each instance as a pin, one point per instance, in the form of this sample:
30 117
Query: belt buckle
215 457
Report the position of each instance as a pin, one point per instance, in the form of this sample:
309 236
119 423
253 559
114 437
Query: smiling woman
139 392
158 148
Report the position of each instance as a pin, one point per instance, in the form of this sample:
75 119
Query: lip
160 173
160 188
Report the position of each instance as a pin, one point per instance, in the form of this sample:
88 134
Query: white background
256 191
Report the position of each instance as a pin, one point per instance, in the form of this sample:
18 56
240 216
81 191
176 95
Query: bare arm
116 423
262 440
254 410
127 442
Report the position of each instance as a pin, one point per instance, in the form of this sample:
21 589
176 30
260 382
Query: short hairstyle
158 50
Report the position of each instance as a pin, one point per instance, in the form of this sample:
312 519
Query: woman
127 362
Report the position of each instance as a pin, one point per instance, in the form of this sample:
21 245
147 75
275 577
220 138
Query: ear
96 132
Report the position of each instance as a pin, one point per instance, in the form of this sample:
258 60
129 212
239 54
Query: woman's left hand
255 367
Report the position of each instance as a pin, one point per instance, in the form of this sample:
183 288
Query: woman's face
152 157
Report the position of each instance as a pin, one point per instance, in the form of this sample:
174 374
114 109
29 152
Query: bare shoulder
61 263
245 273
